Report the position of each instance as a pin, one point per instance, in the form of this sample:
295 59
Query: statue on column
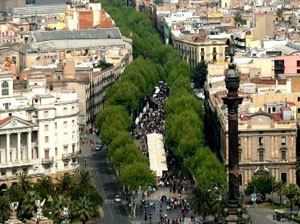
65 215
13 216
231 50
39 204
39 217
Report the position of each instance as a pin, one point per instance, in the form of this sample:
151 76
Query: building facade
194 49
38 131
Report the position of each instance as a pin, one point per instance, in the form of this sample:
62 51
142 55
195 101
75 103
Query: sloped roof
105 33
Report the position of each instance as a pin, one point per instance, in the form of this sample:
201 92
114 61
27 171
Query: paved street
106 183
263 216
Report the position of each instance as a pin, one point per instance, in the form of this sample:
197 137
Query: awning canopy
157 154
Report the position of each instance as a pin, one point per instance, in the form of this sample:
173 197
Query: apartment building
194 48
38 130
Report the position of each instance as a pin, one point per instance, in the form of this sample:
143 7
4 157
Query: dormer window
5 88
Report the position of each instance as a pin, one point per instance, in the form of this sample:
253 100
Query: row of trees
77 193
184 128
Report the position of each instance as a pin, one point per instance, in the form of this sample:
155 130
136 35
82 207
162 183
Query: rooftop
104 33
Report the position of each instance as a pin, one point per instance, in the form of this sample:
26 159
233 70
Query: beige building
264 28
267 126
194 48
38 130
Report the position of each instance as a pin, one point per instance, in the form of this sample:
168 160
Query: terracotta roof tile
5 119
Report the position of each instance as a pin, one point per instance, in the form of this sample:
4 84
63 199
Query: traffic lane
261 216
107 182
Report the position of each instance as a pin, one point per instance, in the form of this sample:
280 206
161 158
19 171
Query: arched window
261 155
5 88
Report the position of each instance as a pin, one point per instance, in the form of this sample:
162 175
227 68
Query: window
260 141
298 71
5 88
56 153
47 152
65 164
46 113
241 179
65 124
239 142
283 155
214 57
298 110
260 155
55 125
298 63
46 138
6 105
283 140
65 110
65 149
28 2
3 172
46 127
240 154
273 109
283 177
14 171
47 168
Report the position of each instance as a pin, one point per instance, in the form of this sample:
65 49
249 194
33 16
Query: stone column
272 148
7 148
19 147
29 156
250 148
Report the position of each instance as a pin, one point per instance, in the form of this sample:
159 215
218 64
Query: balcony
47 160
68 156
74 154
23 163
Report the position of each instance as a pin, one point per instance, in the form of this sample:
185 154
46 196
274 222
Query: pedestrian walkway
166 192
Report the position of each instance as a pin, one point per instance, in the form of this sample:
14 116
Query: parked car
99 146
118 198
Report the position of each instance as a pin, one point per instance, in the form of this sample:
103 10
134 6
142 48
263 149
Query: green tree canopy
262 184
137 175
238 19
127 154
199 74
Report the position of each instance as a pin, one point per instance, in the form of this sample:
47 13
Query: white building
38 130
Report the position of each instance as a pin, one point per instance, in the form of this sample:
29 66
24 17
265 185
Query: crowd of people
171 203
152 119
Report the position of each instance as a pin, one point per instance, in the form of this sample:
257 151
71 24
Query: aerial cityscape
149 111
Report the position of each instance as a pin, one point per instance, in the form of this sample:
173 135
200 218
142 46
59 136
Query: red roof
245 118
5 119
277 116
